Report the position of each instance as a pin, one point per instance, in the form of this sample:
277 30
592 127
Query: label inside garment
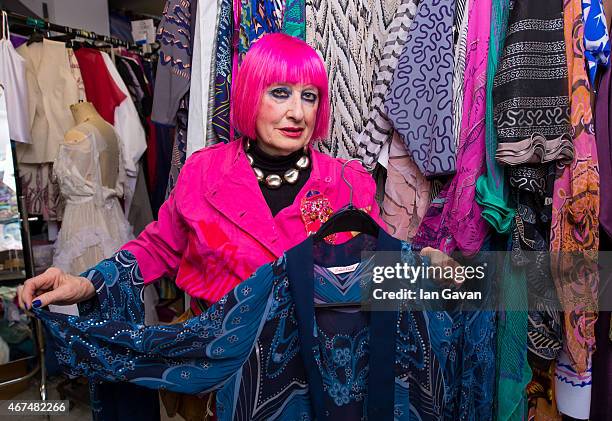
337 270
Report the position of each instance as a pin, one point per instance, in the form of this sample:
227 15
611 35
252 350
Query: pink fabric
216 229
574 234
454 220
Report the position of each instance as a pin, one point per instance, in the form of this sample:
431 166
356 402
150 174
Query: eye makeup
284 92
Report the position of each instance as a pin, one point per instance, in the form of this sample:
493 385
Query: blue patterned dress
270 354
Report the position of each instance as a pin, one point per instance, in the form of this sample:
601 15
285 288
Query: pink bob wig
277 58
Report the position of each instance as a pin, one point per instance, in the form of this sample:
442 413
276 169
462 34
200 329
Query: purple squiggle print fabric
419 101
454 220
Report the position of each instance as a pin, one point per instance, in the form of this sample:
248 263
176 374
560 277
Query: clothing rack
81 33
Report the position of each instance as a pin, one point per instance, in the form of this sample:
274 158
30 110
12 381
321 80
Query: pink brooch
316 210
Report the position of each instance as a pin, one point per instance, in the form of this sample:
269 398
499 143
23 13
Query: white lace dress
94 226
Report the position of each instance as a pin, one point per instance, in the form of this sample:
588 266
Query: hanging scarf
223 72
531 108
406 193
294 19
378 130
603 118
419 102
454 221
490 188
349 35
257 18
514 372
575 207
596 39
460 38
531 104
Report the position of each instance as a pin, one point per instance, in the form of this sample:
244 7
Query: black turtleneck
278 199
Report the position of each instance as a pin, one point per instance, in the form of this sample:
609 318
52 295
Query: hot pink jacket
216 229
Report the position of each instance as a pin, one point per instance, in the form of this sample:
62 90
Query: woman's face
286 118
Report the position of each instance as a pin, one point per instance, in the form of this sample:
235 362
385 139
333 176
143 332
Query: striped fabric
379 130
349 34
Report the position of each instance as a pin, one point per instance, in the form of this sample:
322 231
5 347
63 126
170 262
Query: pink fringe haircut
277 58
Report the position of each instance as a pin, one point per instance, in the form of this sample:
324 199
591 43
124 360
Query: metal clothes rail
81 33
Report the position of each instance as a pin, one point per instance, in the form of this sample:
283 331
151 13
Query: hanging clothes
491 190
224 55
531 112
407 193
100 88
514 372
176 34
201 60
350 36
420 98
378 130
596 38
52 88
575 228
76 72
294 19
53 85
530 94
232 344
603 138
576 202
174 65
13 80
454 221
460 38
127 123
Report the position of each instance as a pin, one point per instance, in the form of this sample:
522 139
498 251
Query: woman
240 205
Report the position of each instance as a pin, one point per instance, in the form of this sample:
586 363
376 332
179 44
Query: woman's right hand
54 286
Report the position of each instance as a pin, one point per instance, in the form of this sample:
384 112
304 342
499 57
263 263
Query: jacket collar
237 195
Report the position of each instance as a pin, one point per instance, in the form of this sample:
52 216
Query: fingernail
36 303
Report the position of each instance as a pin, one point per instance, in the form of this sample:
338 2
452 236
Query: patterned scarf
406 193
460 38
596 39
491 193
454 220
294 19
575 207
223 73
349 34
379 130
419 102
257 18
531 104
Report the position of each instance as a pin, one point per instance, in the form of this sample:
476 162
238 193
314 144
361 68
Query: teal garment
513 370
491 193
294 19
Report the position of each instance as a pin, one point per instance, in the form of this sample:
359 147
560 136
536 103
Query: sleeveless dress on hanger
94 225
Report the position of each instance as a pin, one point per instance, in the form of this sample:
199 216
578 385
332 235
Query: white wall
91 15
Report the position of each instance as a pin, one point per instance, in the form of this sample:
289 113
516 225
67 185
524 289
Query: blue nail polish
36 303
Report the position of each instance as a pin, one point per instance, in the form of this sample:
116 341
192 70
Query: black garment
280 198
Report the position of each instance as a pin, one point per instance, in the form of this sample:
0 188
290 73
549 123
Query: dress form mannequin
91 178
85 112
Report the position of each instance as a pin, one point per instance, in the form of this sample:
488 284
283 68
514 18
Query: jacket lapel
237 195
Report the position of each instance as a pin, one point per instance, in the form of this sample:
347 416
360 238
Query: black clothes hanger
349 218
35 37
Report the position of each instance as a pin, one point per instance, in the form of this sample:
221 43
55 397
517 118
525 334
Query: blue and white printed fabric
270 355
596 38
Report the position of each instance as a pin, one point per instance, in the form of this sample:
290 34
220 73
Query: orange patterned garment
575 217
